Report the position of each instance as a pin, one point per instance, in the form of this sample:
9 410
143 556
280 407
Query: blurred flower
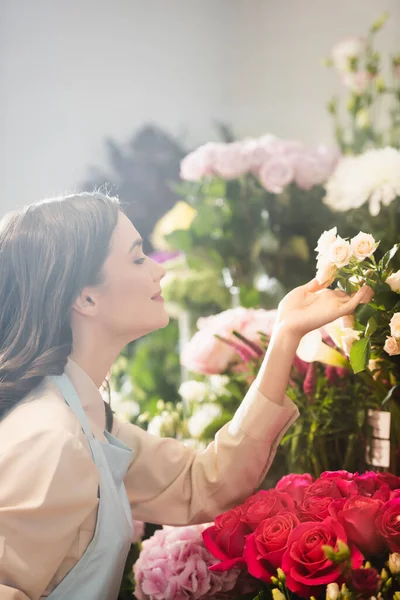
193 391
394 563
332 591
202 417
198 164
231 160
357 82
218 384
373 177
345 52
178 218
276 174
312 348
394 281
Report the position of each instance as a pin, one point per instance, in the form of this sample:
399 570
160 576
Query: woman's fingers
363 296
314 286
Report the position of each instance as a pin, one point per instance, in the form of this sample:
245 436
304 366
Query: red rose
225 539
389 479
388 524
329 488
314 508
367 483
264 504
366 582
294 485
306 567
346 475
358 518
265 547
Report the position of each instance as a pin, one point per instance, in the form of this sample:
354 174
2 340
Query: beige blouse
49 483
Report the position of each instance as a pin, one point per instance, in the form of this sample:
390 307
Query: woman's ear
86 303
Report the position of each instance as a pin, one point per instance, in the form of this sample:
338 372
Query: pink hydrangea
174 563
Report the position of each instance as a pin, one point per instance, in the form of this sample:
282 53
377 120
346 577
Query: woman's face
129 299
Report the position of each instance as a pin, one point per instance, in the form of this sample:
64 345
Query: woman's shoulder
43 411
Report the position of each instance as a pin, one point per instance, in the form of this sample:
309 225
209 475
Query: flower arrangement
313 538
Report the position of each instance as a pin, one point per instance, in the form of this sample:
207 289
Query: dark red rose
388 524
367 483
263 505
358 518
265 547
366 582
294 485
304 563
225 539
391 480
314 508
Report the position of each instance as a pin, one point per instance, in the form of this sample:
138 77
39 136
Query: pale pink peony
199 164
276 174
174 563
207 354
231 160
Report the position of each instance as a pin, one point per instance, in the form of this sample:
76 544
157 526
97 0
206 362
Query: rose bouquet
336 537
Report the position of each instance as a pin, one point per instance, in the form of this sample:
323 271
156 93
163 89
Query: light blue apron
98 574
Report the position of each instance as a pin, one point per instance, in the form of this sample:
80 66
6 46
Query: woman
75 288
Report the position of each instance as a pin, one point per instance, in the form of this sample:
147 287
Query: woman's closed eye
140 261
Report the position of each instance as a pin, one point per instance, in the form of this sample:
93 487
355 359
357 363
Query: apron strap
71 397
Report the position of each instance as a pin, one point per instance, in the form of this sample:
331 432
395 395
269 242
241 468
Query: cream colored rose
349 336
394 563
325 240
326 272
340 252
363 245
394 281
392 346
332 591
395 325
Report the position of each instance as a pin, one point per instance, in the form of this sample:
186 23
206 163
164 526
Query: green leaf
372 326
360 354
384 262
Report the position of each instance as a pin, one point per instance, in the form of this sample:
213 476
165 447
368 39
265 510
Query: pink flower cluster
208 354
275 162
288 526
174 563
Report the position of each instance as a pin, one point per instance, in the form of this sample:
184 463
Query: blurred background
76 75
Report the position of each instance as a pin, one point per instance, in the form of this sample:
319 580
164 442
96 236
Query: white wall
75 72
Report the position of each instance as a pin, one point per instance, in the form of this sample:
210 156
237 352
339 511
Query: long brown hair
48 253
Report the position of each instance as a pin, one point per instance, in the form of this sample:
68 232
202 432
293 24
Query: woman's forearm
273 376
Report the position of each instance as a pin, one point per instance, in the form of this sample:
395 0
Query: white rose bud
392 346
394 563
326 239
394 281
395 325
326 272
332 591
363 245
340 252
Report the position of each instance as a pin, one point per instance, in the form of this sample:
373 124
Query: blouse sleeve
170 483
48 488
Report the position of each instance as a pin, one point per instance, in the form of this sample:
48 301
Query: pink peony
208 355
174 563
276 174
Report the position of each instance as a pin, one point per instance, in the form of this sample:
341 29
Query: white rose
340 252
326 240
363 245
326 272
394 563
395 325
193 391
394 281
349 336
392 346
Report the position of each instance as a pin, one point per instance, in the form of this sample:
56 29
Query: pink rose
264 504
367 483
307 569
333 488
265 547
276 174
198 164
345 475
309 170
358 518
393 481
206 354
314 508
388 524
231 160
294 485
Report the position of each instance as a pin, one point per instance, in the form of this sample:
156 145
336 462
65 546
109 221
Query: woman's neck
94 356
